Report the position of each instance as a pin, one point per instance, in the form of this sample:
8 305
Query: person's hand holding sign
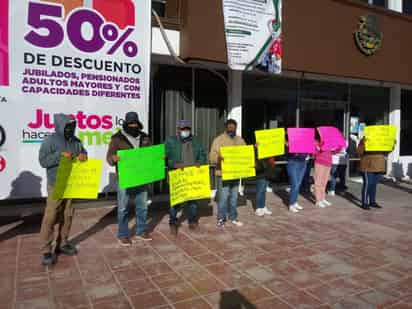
83 157
115 158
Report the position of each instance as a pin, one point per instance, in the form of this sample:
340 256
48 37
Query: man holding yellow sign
187 184
231 164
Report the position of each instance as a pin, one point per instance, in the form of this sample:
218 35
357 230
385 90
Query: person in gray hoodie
62 143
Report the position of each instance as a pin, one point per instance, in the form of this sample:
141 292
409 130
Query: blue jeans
227 194
306 177
337 171
261 185
296 171
191 208
370 182
140 200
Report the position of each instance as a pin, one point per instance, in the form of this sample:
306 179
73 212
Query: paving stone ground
338 257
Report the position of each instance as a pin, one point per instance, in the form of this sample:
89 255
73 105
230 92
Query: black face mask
69 131
231 133
133 131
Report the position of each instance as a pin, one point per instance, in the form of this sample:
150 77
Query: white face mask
184 134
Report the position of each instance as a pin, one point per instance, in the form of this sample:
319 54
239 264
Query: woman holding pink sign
323 164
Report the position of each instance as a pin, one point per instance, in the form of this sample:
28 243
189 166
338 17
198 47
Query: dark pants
261 186
306 178
370 182
191 210
296 171
337 171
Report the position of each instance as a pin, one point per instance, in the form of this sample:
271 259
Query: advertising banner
253 34
86 58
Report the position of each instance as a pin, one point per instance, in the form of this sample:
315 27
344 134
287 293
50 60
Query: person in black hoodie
129 137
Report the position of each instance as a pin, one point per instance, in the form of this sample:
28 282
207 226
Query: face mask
231 133
69 131
133 131
185 134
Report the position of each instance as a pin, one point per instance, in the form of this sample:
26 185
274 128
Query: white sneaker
298 207
266 211
331 193
292 208
326 203
237 223
320 204
259 212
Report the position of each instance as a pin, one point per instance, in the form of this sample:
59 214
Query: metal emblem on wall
368 37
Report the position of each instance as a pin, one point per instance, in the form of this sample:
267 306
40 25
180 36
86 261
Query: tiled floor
338 257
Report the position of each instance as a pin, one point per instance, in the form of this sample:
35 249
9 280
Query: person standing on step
130 136
184 150
62 143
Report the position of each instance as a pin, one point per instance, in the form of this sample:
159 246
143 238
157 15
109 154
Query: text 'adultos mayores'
67 62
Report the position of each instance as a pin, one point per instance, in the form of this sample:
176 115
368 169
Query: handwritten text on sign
191 183
78 180
380 138
238 162
270 142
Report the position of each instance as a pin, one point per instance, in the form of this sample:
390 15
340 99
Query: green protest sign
141 166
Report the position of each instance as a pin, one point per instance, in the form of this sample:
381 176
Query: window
407 6
406 123
160 7
382 3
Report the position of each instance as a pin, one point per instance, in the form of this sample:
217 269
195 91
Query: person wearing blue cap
184 150
130 136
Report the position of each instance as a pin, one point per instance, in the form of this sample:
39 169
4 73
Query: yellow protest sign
188 184
238 162
270 142
380 138
77 179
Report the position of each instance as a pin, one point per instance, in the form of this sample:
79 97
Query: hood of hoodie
60 122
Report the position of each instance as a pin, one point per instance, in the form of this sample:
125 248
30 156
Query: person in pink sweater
323 164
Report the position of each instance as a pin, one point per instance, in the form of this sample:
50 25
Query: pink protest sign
332 138
301 140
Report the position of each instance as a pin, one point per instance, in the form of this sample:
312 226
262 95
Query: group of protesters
184 150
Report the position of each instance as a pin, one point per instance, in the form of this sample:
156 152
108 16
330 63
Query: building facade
327 78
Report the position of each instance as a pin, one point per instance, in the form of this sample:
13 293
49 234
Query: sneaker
292 208
145 237
68 249
237 223
327 203
298 207
173 229
331 193
193 226
125 242
366 207
48 259
220 224
320 204
260 212
375 205
266 211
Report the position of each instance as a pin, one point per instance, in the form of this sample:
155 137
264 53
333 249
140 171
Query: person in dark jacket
372 167
263 167
62 143
129 137
184 150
